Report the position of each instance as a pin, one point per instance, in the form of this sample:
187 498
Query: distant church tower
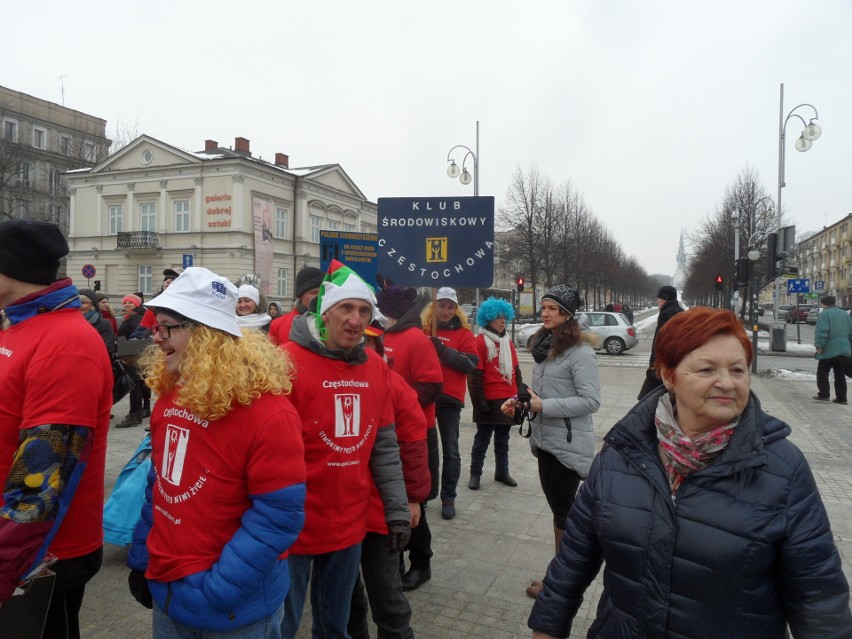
679 277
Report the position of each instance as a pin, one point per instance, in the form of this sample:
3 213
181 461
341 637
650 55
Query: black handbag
123 380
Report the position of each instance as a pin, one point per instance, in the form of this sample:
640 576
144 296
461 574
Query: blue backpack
123 509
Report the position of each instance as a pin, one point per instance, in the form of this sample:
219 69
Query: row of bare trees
551 236
746 206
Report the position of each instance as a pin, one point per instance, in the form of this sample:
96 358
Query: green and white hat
342 283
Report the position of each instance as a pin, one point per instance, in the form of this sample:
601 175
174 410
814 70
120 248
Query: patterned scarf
682 455
492 341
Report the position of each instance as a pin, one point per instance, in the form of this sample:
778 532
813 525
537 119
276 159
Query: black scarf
541 347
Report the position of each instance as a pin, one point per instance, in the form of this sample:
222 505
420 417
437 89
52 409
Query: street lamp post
811 132
463 175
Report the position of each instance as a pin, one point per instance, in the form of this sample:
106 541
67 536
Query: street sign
439 241
819 285
187 260
89 271
799 286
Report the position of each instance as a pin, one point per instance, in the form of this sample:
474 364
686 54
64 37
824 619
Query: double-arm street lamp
462 173
811 132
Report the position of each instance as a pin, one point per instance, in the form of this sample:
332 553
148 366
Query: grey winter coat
744 550
570 393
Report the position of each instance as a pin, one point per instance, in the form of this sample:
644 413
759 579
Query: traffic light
771 256
520 284
97 286
742 272
719 282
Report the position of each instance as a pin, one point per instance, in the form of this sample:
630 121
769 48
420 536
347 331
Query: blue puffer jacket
248 582
744 550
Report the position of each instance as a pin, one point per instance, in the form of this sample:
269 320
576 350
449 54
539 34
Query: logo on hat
219 289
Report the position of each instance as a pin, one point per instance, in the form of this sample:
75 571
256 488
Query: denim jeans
388 604
332 578
480 446
164 627
448 427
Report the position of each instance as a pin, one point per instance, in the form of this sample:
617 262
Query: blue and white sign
187 260
799 286
359 251
437 241
819 285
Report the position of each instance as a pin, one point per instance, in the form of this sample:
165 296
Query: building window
24 174
333 225
89 151
10 130
282 283
55 212
116 219
65 144
280 222
349 228
182 216
316 225
145 279
39 138
54 178
148 217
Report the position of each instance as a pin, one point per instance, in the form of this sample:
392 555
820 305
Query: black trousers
72 575
837 365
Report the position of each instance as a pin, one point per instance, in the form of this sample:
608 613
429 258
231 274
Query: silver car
616 333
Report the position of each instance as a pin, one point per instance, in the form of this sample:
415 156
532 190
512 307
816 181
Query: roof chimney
242 145
210 145
282 160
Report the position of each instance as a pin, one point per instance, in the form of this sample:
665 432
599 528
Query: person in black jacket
89 308
133 313
667 301
706 517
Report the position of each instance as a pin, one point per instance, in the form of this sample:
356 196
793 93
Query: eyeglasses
165 330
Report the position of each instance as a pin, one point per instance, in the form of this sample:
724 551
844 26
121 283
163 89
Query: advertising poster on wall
263 249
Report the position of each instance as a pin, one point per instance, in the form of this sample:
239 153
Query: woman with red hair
706 516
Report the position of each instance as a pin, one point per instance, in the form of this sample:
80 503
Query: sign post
89 272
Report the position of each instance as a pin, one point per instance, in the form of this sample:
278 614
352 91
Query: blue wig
491 309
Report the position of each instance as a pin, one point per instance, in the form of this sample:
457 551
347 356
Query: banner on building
437 241
263 249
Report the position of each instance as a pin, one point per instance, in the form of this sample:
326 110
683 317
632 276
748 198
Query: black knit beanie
394 301
307 278
30 251
568 298
667 293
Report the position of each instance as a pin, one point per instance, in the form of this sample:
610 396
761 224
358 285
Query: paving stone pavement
502 538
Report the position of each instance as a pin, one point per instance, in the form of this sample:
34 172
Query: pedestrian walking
564 393
340 391
496 378
833 342
226 492
57 393
455 345
667 303
705 517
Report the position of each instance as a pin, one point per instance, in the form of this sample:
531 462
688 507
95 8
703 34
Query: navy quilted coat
743 551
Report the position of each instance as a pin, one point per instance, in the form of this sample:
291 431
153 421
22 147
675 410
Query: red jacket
458 357
279 329
410 353
411 435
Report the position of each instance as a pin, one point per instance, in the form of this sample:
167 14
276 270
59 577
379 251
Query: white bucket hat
201 296
446 293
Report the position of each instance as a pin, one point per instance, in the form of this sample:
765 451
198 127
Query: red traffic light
520 282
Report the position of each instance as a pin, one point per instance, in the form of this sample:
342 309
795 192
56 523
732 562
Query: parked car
616 333
798 314
813 313
784 311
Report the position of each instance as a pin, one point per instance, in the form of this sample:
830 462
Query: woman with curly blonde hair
456 347
227 488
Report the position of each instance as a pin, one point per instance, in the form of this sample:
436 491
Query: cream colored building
152 206
826 257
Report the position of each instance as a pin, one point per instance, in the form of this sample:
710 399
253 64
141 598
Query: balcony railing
138 240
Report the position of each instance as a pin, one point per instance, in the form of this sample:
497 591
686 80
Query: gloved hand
399 532
651 373
139 588
439 345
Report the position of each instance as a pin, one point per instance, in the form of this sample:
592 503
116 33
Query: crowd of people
294 455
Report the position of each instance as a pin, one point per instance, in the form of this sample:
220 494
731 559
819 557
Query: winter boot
132 419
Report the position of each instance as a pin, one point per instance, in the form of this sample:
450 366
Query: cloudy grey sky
651 108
